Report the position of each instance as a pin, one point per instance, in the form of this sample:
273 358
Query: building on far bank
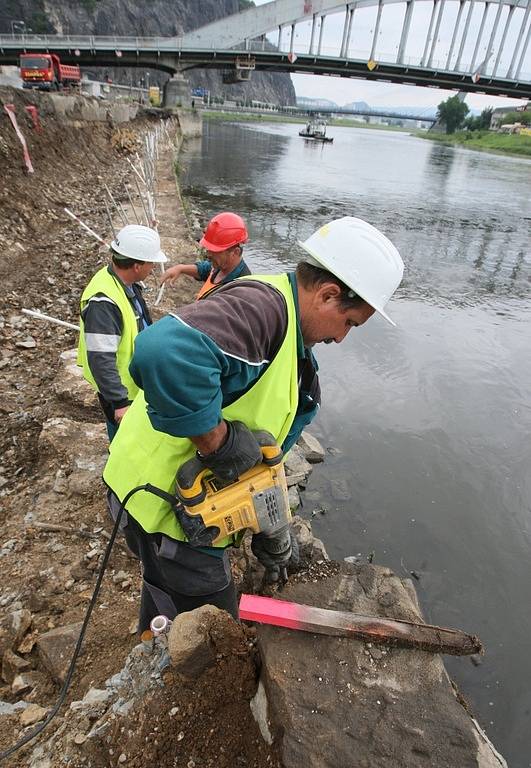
499 114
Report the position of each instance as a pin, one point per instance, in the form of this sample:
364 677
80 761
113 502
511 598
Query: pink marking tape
377 629
267 610
10 109
33 112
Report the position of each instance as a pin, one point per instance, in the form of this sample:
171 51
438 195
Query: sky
379 94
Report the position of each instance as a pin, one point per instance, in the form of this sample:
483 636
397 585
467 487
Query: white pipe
160 294
160 625
135 170
42 316
88 229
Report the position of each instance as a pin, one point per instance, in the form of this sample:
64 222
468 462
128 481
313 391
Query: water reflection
455 216
431 419
439 164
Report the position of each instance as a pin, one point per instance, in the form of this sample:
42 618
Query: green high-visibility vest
140 454
108 284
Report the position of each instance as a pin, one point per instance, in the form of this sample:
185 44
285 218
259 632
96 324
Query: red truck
45 72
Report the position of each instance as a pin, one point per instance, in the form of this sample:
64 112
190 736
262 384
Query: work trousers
110 423
176 576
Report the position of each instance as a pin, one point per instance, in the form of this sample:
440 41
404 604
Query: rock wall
166 18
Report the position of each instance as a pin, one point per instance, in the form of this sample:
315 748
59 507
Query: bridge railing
91 41
176 45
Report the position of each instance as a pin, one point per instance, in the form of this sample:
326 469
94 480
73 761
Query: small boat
316 131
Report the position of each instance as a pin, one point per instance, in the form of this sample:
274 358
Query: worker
113 312
223 240
213 371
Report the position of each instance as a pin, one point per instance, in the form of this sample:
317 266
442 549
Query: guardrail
93 41
177 45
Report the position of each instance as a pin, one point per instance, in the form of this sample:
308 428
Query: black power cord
22 742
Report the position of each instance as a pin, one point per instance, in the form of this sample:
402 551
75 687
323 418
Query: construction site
213 691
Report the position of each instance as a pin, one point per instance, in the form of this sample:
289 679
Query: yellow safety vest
108 284
140 454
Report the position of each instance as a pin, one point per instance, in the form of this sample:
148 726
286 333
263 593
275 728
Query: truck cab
45 72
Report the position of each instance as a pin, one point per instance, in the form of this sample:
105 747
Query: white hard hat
360 256
140 243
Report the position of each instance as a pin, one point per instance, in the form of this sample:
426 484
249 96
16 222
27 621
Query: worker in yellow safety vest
216 370
223 241
113 312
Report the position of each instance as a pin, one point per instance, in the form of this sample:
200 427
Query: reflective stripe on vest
140 454
106 283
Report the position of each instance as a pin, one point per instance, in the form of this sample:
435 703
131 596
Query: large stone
69 384
55 649
311 447
94 702
13 627
295 463
27 682
13 665
81 447
194 637
294 498
32 714
310 548
334 701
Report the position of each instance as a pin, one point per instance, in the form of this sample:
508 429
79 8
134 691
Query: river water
429 423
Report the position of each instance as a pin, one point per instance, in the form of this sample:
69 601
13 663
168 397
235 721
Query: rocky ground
184 701
53 534
54 522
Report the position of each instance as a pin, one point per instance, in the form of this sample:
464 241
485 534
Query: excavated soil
47 259
196 723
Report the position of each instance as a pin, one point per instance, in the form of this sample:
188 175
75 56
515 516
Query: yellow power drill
211 509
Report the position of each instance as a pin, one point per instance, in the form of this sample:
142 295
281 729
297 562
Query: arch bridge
467 45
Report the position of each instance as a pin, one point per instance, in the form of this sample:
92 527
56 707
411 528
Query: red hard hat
223 231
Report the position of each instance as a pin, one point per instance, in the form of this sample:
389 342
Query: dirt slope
46 261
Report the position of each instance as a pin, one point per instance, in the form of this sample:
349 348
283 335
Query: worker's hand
276 552
119 413
239 453
171 274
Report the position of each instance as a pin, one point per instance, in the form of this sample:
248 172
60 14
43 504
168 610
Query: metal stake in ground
128 192
142 201
110 219
118 207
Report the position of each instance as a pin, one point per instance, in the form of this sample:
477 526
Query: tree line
454 114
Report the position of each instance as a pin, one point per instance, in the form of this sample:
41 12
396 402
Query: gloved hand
239 453
276 552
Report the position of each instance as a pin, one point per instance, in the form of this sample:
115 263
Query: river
429 423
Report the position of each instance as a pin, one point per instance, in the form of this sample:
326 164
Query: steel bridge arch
262 20
220 45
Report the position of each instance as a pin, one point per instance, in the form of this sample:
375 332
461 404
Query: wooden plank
374 629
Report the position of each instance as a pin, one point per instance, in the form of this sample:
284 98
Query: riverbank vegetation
260 117
488 141
475 133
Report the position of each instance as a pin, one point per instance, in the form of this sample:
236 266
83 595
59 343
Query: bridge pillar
177 91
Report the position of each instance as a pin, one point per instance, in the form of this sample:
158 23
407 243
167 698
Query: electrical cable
26 739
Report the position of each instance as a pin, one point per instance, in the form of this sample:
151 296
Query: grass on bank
488 141
260 117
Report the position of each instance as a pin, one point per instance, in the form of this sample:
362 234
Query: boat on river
316 131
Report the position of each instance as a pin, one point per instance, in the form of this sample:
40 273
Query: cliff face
136 17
